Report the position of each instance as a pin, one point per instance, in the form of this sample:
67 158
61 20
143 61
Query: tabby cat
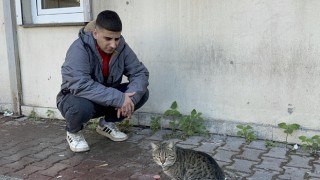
185 164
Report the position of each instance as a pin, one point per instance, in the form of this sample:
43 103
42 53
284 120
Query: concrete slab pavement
38 150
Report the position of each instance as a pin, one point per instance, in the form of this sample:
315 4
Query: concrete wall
234 61
5 92
42 52
246 61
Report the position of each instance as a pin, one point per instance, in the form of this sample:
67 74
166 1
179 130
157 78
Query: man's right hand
127 107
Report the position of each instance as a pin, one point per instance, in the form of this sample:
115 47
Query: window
56 11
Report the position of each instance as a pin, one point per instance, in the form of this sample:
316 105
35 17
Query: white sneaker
77 142
111 131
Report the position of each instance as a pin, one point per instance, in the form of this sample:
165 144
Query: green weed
50 114
93 123
155 123
188 124
246 132
33 115
312 144
192 124
270 144
125 125
288 129
174 114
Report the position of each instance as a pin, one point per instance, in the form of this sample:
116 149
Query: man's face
108 41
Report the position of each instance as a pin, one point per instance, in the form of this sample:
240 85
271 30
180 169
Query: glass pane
50 4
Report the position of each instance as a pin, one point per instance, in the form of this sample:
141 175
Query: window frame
55 11
55 15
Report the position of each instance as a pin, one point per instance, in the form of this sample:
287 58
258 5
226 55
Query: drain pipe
13 54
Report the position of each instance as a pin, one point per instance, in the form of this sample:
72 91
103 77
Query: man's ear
95 33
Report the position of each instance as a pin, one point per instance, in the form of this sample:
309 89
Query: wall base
266 132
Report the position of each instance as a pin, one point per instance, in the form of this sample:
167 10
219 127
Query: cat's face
164 154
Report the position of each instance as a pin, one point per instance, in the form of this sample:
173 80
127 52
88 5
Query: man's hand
127 107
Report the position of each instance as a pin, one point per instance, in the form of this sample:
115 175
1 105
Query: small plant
174 125
288 129
270 144
50 114
173 111
312 144
34 115
170 136
192 124
155 124
246 132
93 123
188 124
174 114
125 125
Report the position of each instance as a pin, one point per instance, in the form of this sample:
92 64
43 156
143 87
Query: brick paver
242 165
300 161
269 163
40 151
261 174
315 173
294 173
251 154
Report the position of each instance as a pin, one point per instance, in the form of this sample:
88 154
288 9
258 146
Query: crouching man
91 81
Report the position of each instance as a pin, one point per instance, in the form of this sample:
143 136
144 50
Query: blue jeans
77 110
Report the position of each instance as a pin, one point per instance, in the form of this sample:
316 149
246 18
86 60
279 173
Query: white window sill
53 25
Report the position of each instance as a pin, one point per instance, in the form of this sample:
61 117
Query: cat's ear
154 146
170 145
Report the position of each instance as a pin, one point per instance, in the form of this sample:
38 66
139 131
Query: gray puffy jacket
82 73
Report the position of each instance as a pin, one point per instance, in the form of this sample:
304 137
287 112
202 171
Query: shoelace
113 126
78 137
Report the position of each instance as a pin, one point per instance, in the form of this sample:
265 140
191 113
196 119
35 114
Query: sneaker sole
77 149
101 132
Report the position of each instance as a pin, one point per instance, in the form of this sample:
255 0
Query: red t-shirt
105 61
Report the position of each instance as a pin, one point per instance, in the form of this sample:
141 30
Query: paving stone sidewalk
38 150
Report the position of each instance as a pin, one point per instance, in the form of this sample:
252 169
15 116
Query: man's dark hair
109 20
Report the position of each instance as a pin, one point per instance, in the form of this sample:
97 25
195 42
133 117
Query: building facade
237 62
